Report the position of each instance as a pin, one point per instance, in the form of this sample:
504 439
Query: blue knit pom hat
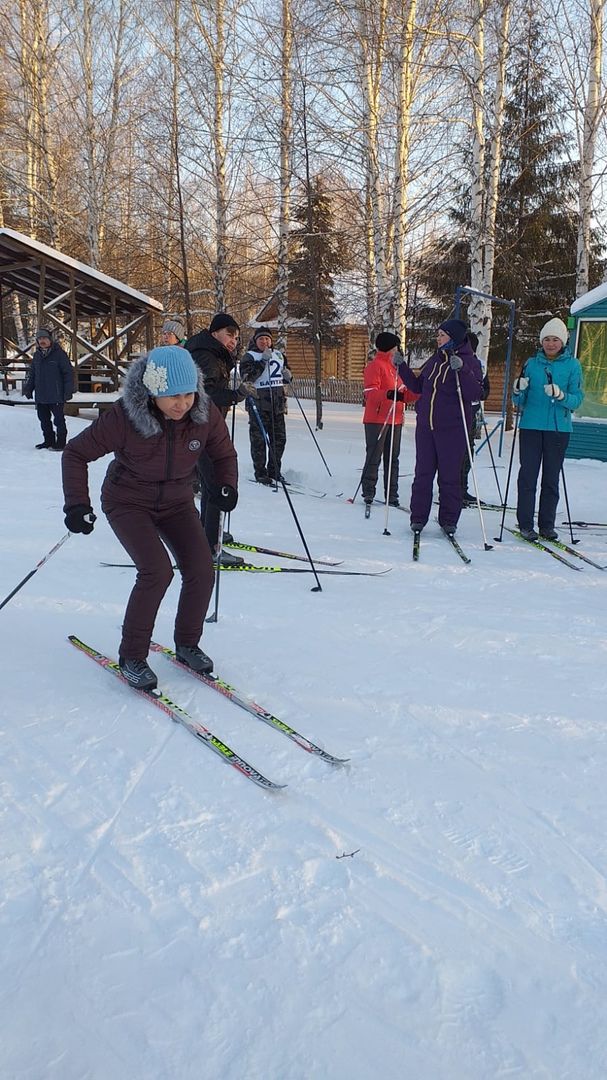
456 329
170 370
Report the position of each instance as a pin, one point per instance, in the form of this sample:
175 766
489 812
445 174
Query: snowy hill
434 910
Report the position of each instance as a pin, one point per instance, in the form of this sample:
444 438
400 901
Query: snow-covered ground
436 910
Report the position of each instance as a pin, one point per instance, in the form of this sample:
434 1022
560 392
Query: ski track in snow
436 909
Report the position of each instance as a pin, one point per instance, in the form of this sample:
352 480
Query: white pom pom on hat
555 328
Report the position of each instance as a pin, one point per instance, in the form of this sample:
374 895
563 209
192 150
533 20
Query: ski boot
194 658
138 674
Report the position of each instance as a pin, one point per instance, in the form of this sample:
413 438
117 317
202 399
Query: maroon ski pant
441 450
141 533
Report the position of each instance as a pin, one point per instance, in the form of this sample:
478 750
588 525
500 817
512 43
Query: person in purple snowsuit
440 437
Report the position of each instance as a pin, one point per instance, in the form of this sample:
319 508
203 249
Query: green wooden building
588 329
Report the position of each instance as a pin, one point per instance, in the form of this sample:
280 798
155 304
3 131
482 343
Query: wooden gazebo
102 320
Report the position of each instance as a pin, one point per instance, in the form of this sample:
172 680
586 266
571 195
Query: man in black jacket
214 351
50 381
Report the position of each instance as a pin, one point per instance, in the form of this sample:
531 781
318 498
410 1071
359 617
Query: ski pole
36 568
266 438
235 375
550 380
310 429
517 414
371 451
488 546
490 448
389 477
217 564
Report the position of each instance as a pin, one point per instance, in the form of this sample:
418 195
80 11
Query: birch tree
593 112
486 124
36 57
286 124
215 42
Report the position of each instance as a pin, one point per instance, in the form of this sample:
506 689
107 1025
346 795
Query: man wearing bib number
266 368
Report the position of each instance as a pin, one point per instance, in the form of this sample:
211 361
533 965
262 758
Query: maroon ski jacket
154 458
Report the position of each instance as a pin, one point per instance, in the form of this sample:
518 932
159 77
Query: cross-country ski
180 716
214 682
253 568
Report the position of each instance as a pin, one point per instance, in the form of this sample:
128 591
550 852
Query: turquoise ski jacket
540 412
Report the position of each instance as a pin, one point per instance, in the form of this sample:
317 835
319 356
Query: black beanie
221 321
386 341
263 330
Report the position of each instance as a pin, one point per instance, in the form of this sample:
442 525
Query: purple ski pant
444 451
142 532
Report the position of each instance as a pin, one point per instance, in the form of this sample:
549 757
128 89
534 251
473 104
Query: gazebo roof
25 263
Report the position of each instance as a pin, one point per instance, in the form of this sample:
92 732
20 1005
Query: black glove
224 497
395 395
80 519
245 390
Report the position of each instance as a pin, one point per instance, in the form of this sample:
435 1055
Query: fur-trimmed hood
139 405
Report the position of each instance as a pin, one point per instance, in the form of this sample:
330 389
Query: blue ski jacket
540 412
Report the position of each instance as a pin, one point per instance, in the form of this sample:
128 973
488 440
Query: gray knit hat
174 326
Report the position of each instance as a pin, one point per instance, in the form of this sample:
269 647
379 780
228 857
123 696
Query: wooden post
74 327
3 358
41 290
113 342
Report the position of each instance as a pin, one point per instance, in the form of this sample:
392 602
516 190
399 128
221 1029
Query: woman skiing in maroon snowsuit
156 432
440 436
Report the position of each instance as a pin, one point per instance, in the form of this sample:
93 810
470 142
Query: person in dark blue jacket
50 381
546 393
440 435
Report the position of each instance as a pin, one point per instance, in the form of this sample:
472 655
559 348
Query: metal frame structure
465 290
103 319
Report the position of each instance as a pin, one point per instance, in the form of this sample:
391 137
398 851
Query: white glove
520 384
554 391
266 355
286 375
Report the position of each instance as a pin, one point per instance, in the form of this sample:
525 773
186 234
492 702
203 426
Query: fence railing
346 391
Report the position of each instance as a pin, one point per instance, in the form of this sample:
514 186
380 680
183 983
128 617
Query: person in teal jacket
548 390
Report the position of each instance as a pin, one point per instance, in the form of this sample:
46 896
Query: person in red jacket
385 395
156 432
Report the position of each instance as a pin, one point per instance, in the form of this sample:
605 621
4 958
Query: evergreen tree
317 255
536 223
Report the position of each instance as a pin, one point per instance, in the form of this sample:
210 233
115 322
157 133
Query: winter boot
194 658
549 534
528 534
417 526
138 674
230 560
48 444
59 443
264 480
468 499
